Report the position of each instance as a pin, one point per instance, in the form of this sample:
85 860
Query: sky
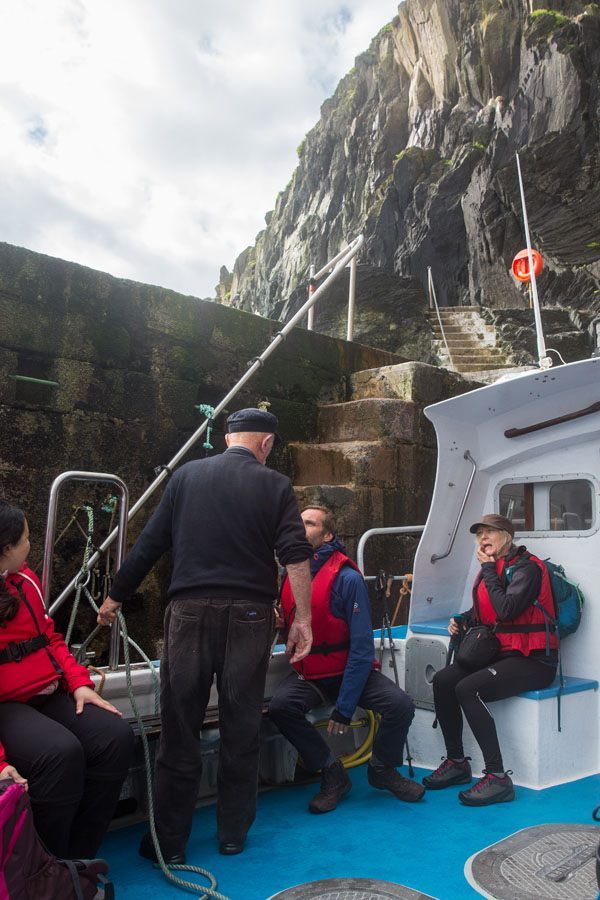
148 138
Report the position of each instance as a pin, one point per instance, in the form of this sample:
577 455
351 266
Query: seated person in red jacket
69 748
340 669
526 659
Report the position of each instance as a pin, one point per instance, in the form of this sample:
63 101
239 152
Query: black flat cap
252 419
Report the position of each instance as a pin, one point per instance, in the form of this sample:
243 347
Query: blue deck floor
423 846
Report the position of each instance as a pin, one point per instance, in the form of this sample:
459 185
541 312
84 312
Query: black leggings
455 687
75 766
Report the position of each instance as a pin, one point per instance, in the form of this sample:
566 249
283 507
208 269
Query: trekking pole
381 586
380 590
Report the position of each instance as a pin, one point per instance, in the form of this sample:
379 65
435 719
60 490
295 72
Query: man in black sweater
223 519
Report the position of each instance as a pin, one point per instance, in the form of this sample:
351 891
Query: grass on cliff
558 18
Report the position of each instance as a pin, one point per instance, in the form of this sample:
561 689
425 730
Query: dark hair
328 519
12 526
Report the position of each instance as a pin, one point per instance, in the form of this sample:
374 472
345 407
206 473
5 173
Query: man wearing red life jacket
340 668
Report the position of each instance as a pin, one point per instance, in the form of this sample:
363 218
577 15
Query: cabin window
549 505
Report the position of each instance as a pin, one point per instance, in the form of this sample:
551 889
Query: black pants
203 638
295 697
455 688
75 766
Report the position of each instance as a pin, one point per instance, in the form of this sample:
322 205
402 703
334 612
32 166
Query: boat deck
423 846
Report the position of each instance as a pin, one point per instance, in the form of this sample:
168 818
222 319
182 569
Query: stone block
413 381
345 462
373 419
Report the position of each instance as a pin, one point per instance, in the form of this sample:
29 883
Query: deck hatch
546 861
350 889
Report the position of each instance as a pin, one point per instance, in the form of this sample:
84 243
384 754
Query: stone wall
129 362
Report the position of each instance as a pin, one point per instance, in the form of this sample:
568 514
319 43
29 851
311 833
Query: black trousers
204 638
295 697
456 689
75 766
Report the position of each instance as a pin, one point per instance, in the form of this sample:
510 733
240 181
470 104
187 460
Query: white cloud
149 139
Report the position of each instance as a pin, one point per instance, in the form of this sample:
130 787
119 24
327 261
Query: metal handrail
355 246
399 529
437 556
121 529
433 297
339 262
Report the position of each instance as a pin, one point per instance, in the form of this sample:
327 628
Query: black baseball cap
253 419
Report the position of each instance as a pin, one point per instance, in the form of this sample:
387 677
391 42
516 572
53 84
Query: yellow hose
362 754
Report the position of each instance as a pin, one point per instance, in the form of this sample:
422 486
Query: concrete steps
469 340
375 458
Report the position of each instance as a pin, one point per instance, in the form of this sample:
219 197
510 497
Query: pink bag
28 871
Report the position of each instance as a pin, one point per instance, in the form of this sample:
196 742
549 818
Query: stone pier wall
129 362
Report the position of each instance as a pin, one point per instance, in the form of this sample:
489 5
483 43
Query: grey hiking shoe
385 778
335 784
489 789
448 773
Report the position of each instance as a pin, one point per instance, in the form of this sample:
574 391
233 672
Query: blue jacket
350 602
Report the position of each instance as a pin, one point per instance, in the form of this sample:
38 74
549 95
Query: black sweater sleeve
291 545
509 601
154 540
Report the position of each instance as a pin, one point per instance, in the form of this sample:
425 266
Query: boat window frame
544 496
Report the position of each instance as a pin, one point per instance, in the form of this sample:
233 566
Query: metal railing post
544 361
351 298
433 297
311 289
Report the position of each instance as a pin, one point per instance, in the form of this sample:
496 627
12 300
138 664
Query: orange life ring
520 265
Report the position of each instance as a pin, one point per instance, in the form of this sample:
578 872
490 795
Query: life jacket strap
325 649
15 652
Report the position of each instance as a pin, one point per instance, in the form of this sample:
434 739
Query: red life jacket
331 636
531 617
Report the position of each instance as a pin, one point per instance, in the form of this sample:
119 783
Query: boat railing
336 267
372 532
349 254
433 304
83 575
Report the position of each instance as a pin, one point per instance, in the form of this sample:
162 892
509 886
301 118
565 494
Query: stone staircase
472 342
374 460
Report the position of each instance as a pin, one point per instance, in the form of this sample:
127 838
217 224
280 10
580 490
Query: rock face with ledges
416 149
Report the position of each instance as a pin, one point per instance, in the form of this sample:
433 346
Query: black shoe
489 789
335 784
385 778
449 773
175 858
230 848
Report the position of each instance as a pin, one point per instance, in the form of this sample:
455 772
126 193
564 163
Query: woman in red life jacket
526 659
66 745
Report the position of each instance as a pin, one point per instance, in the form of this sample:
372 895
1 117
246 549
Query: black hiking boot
335 784
448 773
489 789
385 778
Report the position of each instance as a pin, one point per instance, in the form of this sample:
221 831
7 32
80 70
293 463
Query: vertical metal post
311 289
429 287
544 360
121 535
351 298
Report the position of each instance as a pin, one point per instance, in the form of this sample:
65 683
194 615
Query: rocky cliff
416 149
